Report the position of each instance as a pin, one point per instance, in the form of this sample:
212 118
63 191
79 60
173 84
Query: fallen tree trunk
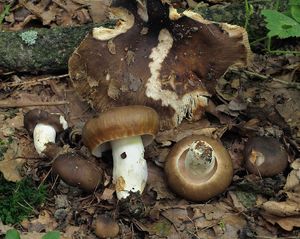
51 49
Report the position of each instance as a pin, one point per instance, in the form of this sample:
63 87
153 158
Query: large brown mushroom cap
198 188
171 66
265 156
118 123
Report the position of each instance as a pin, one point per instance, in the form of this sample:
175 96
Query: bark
53 47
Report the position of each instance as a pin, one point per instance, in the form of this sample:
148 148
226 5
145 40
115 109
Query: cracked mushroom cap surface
169 65
198 187
119 123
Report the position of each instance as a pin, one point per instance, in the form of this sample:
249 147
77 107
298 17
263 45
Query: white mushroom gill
130 168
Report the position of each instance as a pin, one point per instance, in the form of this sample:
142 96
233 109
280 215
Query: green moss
18 200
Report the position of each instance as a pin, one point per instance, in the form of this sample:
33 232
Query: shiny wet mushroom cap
43 126
78 172
198 168
169 65
126 130
265 156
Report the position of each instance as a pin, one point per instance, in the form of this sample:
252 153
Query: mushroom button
106 227
126 130
149 59
43 126
198 168
265 156
78 172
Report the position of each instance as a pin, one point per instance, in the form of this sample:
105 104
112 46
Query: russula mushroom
43 126
198 168
106 227
149 59
126 130
76 171
265 156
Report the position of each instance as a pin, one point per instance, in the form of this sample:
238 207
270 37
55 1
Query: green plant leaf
294 2
281 25
12 234
52 235
295 12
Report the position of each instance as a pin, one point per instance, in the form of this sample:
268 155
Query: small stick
12 84
14 104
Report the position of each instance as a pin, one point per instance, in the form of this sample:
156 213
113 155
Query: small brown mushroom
169 65
106 227
198 168
265 156
126 130
43 126
78 172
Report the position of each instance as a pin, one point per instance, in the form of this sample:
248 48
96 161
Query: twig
14 104
288 84
13 84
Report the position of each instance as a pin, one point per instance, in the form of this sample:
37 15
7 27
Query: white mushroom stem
200 158
130 168
42 135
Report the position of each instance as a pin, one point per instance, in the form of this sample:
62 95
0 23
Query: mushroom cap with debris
169 65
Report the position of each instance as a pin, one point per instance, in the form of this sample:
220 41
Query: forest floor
260 100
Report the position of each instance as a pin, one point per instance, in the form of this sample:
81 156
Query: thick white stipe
130 167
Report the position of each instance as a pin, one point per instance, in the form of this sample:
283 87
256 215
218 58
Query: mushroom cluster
198 168
72 168
153 57
125 130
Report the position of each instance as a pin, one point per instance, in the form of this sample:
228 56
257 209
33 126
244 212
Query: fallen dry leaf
283 209
293 179
287 223
11 164
45 221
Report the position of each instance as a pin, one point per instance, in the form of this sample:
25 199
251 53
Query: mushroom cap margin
201 191
117 123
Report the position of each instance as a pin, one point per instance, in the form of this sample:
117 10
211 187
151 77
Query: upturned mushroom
265 156
149 59
126 130
198 168
43 127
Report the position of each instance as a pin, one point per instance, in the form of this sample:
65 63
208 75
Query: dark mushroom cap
171 66
106 227
265 156
78 172
36 116
198 188
118 123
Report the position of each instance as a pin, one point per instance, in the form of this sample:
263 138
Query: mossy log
50 51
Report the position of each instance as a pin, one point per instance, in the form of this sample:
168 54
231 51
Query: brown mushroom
126 130
106 227
78 172
169 65
43 126
265 156
198 168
